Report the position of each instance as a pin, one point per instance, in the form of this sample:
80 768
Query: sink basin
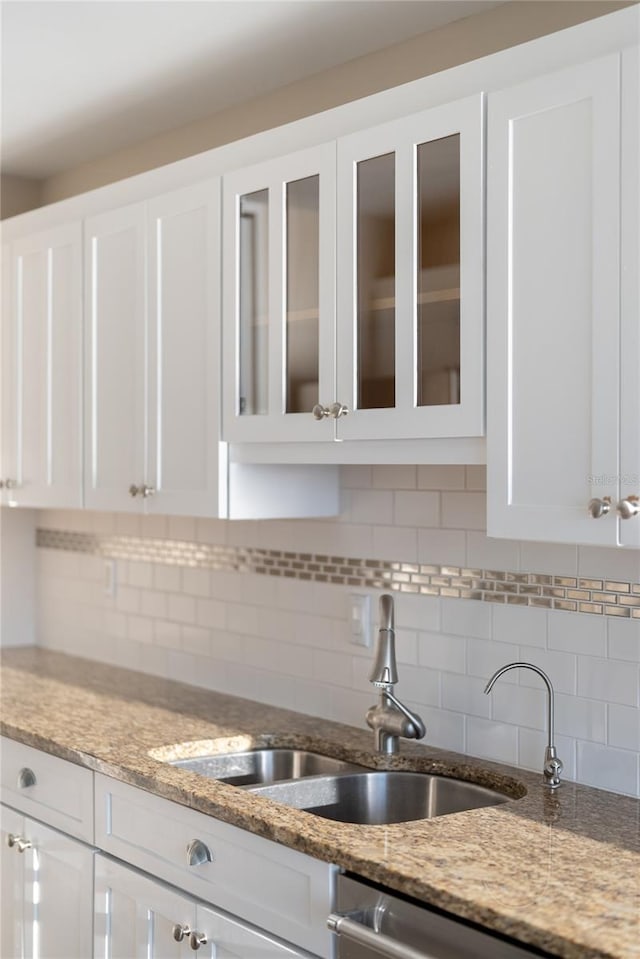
264 766
381 798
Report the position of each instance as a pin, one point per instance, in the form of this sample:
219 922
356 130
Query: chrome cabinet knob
19 842
336 410
599 507
133 490
196 940
628 507
320 412
198 853
8 484
146 491
180 931
26 778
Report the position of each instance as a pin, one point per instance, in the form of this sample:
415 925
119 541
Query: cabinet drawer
50 789
279 889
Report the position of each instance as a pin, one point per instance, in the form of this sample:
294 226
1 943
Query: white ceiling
84 78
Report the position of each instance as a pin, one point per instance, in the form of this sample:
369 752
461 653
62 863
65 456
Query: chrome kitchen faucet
552 764
389 718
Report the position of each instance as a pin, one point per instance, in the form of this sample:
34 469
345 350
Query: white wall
286 641
17 577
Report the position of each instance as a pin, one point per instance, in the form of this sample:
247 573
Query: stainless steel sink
264 766
381 798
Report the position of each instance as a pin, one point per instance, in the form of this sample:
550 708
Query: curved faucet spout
553 766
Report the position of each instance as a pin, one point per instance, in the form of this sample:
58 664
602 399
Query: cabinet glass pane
438 281
302 306
376 317
254 302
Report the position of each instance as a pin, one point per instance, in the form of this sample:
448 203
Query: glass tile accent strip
570 593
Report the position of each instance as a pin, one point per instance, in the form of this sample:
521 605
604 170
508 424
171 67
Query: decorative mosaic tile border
575 594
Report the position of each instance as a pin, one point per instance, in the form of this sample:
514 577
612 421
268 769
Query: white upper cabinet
279 297
42 369
563 344
388 224
410 276
152 355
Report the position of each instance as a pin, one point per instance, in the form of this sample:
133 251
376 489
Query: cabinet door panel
630 294
11 887
46 350
410 317
58 895
229 939
183 376
279 298
553 304
115 311
136 916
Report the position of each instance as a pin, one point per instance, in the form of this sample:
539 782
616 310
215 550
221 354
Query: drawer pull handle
196 940
180 931
20 843
26 778
198 853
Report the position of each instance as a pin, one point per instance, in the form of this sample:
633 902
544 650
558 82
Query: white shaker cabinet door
11 885
42 370
630 301
183 392
553 305
115 358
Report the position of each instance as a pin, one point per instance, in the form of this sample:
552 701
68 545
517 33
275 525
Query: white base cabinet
47 892
141 918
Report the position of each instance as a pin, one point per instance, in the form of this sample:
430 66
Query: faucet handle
384 671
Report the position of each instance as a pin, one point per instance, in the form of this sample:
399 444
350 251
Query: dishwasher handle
382 945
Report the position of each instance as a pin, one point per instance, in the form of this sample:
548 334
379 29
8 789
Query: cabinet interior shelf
434 296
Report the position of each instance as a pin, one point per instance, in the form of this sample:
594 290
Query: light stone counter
559 871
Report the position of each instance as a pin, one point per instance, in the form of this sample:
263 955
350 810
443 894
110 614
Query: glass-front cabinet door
279 298
410 255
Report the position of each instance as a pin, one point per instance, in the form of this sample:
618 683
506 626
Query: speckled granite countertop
559 871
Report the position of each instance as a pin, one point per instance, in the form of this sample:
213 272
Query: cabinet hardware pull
599 507
133 490
146 491
320 412
26 778
180 931
20 843
196 940
198 853
337 410
628 507
8 484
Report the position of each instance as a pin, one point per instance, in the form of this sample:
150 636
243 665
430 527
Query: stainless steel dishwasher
373 923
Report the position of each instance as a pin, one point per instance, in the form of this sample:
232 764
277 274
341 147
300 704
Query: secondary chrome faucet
389 718
552 764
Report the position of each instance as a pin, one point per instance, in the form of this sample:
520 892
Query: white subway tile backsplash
524 627
394 477
466 618
416 509
624 727
394 543
586 635
464 694
181 608
466 510
561 668
443 652
584 717
624 640
487 553
444 546
227 629
608 681
491 740
441 477
608 768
